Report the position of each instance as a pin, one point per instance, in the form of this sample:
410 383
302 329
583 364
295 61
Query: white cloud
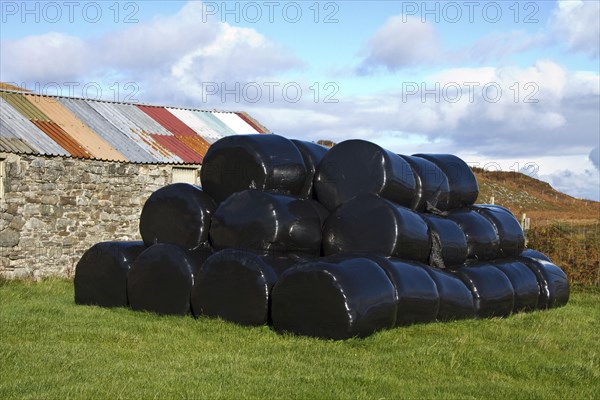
594 157
403 41
577 23
583 185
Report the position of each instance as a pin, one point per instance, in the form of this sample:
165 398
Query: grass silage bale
461 180
482 239
553 282
493 294
510 233
268 223
177 214
101 273
235 285
448 242
417 297
456 300
312 154
371 224
263 162
524 283
432 188
334 299
355 167
161 280
531 253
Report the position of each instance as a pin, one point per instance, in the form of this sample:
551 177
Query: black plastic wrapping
510 233
355 167
334 299
371 224
267 223
493 294
448 242
236 285
456 300
535 254
312 154
482 239
264 162
177 214
161 280
101 274
418 300
432 190
553 282
461 180
524 283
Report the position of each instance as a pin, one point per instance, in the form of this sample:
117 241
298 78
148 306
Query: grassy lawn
51 348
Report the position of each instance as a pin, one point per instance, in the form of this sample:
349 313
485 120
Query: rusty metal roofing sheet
234 121
253 123
168 120
173 144
195 143
121 142
193 121
26 108
214 123
94 144
20 127
15 145
113 113
143 120
61 137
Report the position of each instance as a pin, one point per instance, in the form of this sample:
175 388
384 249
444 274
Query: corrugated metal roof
253 123
20 103
201 127
214 123
56 133
121 142
236 124
20 127
173 144
56 125
168 120
74 127
11 144
113 113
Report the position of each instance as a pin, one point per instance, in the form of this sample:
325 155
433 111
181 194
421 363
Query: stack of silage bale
332 244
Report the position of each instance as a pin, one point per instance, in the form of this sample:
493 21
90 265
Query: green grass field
52 348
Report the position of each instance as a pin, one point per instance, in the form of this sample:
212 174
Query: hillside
540 201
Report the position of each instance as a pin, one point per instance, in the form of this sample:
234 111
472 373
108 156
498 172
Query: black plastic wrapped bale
354 167
448 242
493 294
456 300
432 190
312 154
161 280
418 300
524 283
235 285
371 224
461 180
334 299
264 162
553 283
535 254
101 274
510 233
177 214
482 239
268 223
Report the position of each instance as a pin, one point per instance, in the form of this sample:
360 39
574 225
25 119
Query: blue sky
504 85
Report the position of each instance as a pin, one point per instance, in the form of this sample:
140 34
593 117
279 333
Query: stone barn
74 172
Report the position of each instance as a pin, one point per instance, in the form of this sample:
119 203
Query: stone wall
55 208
